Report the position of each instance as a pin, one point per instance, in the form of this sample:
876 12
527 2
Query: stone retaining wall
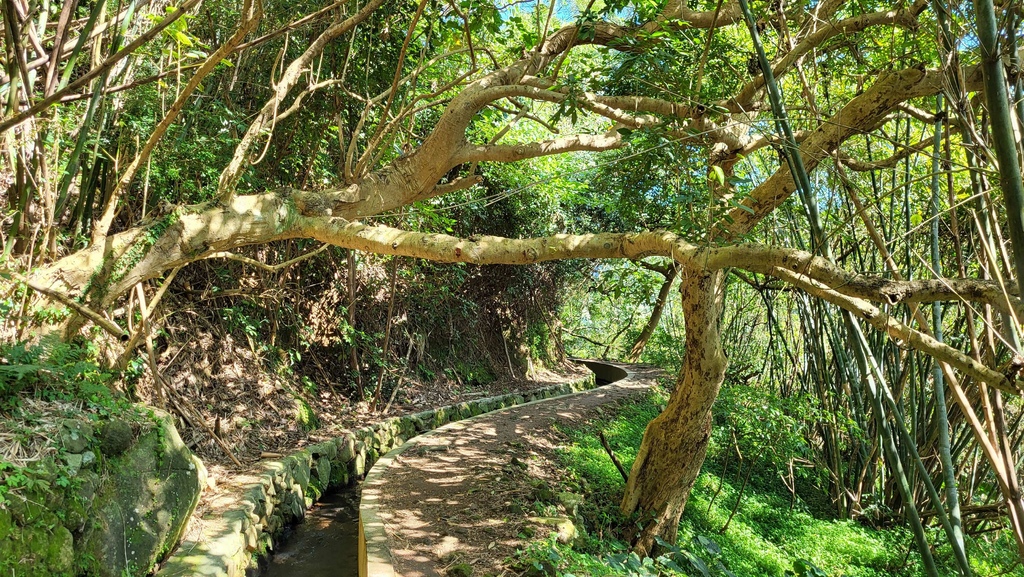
248 523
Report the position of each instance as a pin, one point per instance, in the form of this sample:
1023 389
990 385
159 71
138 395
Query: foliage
52 369
762 426
794 391
767 537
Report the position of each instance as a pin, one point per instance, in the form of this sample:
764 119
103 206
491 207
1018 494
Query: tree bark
675 443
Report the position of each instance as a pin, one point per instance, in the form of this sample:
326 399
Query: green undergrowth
766 537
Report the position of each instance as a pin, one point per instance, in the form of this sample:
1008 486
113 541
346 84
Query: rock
61 552
88 458
322 473
74 461
88 484
346 450
28 509
258 497
383 440
44 547
441 416
251 538
142 507
326 449
359 464
76 511
564 527
424 420
339 476
570 502
294 505
275 524
75 435
406 427
115 438
544 495
300 470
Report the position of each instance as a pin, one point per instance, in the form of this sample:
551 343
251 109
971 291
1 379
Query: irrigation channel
326 543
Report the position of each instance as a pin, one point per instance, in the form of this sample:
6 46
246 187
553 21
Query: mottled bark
676 442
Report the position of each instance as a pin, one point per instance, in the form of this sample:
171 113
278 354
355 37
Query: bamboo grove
839 179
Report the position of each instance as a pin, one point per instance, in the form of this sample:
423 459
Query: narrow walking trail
463 494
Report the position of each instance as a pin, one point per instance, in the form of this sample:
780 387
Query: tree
419 133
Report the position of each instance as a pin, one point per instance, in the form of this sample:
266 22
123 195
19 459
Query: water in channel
325 543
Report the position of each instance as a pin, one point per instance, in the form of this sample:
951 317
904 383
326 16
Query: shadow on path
462 493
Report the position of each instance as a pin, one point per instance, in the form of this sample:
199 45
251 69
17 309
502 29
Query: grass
765 538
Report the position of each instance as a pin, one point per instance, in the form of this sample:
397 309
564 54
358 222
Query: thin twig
615 460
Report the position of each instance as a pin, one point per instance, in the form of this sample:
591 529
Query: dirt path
465 495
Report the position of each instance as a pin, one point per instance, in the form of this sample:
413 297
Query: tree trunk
652 322
675 443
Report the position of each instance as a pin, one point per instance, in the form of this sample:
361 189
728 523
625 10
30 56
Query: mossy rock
75 435
346 449
358 468
339 475
441 416
38 553
142 507
115 438
424 420
326 449
305 416
321 474
301 469
42 546
407 427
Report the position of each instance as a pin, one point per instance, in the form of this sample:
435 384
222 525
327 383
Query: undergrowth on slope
772 533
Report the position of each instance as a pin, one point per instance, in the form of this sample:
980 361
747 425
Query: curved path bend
453 495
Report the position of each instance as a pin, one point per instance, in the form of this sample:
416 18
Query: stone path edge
251 519
374 554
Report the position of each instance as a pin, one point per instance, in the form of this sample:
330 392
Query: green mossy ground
765 538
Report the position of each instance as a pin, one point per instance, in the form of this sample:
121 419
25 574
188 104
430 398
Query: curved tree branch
515 152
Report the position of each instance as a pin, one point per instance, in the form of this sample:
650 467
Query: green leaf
740 205
719 174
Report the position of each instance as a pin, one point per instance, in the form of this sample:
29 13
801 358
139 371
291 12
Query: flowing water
325 544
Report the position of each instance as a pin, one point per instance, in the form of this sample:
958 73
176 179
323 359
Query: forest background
351 204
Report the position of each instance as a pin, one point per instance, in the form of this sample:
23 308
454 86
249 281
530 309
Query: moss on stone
304 415
115 438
